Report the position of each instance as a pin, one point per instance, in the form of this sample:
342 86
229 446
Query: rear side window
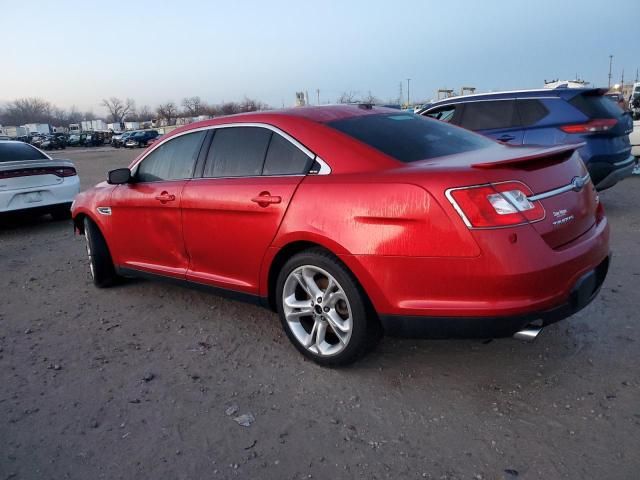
284 158
173 160
237 152
596 106
489 115
531 111
409 138
12 152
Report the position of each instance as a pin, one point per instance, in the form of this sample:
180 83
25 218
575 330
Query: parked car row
134 139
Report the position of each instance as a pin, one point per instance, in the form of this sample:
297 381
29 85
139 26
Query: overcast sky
77 52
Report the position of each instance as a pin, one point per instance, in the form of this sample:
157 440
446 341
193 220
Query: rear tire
100 262
323 310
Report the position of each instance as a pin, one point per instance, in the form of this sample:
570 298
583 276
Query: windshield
408 137
17 151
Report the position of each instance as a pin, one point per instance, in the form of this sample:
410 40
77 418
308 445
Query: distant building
38 128
93 125
577 83
301 99
14 132
116 127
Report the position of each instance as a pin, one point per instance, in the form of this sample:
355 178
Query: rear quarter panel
371 216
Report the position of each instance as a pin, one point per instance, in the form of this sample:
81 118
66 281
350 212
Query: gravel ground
146 380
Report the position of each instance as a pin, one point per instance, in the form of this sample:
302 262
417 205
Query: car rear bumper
506 281
38 197
611 173
582 293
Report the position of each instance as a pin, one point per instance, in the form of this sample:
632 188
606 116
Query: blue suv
550 117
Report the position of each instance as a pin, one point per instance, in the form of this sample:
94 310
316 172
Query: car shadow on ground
32 221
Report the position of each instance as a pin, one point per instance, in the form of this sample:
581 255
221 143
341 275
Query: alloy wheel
317 310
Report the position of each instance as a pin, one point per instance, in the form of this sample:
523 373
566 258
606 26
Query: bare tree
193 106
27 110
370 99
168 111
229 108
118 110
141 114
251 105
74 115
348 97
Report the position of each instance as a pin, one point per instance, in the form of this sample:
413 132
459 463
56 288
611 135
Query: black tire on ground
366 330
101 264
61 212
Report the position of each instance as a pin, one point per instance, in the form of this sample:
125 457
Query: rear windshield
596 106
408 137
11 152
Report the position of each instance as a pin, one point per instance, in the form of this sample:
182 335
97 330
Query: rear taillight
65 172
495 205
597 125
28 172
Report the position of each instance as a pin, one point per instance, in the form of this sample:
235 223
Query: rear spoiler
556 153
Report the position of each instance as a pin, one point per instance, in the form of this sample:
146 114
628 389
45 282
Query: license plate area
32 197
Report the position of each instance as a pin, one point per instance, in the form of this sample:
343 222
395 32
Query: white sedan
30 180
634 138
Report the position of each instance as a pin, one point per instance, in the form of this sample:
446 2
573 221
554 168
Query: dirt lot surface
144 380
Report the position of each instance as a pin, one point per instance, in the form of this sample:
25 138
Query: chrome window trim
325 169
463 102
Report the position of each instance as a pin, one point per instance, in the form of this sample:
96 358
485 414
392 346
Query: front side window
489 115
173 160
408 137
284 158
237 152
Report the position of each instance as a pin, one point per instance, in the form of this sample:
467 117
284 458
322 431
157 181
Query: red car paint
391 223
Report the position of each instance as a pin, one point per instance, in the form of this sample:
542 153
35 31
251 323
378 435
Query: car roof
318 114
531 93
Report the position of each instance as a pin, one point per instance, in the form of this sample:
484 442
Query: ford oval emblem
577 184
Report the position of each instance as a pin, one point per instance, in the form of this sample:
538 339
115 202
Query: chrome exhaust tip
528 334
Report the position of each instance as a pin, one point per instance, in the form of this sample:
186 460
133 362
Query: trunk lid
556 176
558 180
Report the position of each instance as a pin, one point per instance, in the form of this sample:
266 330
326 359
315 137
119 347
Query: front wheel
323 310
100 263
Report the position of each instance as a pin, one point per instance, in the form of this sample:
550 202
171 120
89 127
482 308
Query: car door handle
506 138
265 199
165 197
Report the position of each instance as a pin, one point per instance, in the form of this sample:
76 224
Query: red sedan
351 221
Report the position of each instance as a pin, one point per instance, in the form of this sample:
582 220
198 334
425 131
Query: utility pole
400 95
408 97
610 65
318 96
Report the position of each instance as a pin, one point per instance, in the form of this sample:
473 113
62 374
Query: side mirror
119 176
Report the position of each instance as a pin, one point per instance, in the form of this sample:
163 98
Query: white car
31 180
634 138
